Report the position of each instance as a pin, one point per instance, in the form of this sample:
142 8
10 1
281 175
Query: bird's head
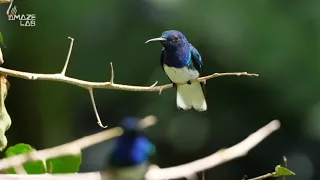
130 124
171 39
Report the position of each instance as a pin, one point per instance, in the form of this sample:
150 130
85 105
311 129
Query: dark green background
278 39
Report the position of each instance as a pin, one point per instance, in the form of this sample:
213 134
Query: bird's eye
175 38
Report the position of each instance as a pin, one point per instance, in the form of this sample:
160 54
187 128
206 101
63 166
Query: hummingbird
129 158
182 63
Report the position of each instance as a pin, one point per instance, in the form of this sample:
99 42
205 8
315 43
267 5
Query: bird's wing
196 59
161 58
162 61
197 62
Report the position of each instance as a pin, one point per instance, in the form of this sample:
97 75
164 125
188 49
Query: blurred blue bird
182 63
129 157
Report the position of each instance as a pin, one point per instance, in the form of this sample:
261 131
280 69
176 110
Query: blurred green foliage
65 164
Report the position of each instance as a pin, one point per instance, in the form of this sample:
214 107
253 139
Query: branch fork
61 77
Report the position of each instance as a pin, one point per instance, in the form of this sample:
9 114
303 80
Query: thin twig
273 174
222 156
203 175
71 148
68 57
95 109
8 1
1 57
285 164
112 74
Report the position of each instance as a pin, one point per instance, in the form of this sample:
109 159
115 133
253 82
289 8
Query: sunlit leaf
35 167
282 171
66 164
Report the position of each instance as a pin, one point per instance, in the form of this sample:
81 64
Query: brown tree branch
61 77
185 170
107 85
220 157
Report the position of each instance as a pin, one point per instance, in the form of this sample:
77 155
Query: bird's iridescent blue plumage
183 63
132 148
178 52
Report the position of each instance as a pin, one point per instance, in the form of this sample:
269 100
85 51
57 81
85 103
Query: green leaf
35 167
1 40
66 164
282 171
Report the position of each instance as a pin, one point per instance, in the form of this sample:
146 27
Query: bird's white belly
180 75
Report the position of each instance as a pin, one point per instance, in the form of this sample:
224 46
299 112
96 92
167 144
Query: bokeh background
279 40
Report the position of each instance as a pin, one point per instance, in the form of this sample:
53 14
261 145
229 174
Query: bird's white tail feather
189 96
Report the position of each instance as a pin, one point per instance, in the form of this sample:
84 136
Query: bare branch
222 156
112 74
285 164
7 1
4 1
60 77
75 176
71 148
147 121
274 174
1 57
68 57
104 85
154 84
20 169
95 109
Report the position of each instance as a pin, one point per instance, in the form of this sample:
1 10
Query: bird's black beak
160 39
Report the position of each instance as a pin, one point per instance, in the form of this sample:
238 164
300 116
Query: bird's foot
189 82
174 85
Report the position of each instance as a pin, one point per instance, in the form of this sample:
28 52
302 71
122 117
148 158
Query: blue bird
129 157
182 63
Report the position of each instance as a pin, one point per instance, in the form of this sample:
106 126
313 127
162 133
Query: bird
182 63
129 157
